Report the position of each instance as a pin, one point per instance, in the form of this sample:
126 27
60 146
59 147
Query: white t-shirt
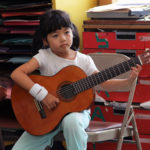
50 63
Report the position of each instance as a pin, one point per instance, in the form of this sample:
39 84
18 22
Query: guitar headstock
145 57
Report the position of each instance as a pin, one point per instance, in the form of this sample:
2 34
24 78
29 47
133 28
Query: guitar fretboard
106 74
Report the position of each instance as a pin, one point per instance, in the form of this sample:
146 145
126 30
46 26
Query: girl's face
60 41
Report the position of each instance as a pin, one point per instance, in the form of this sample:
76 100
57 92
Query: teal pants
73 126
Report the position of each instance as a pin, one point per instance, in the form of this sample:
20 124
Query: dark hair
51 21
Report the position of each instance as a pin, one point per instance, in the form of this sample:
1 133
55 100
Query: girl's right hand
50 101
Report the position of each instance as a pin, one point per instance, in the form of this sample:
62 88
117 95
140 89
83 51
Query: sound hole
66 91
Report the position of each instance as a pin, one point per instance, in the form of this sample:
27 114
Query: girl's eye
54 36
67 32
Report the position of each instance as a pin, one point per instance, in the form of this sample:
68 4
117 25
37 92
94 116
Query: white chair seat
103 131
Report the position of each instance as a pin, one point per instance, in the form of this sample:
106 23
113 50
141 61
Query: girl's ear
45 43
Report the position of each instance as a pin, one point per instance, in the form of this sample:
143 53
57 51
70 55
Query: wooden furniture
116 24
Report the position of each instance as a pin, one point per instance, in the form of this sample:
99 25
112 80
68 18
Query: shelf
116 24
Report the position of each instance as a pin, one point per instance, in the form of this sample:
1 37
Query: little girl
56 43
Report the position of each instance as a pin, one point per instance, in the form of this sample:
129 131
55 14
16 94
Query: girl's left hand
134 72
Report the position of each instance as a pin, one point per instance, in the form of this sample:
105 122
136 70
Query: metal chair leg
136 133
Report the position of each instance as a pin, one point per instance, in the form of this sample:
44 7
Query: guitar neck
106 74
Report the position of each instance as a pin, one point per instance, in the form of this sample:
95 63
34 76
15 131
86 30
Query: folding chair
99 131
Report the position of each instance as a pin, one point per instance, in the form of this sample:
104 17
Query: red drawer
141 95
116 40
144 80
143 121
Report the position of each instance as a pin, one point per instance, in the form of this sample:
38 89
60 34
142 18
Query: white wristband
35 89
38 92
41 94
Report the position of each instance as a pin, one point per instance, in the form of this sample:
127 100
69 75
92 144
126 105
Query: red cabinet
128 43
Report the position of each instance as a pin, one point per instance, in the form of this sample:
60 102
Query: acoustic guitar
71 86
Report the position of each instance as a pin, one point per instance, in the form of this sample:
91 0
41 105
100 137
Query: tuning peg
147 49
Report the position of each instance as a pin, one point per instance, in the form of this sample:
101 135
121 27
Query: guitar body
26 111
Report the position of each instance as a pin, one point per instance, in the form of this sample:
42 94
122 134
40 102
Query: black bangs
50 22
60 21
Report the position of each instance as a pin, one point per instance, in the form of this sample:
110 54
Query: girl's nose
62 37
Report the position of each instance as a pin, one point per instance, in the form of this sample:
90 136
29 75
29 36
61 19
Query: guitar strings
79 89
81 85
63 90
72 88
77 86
